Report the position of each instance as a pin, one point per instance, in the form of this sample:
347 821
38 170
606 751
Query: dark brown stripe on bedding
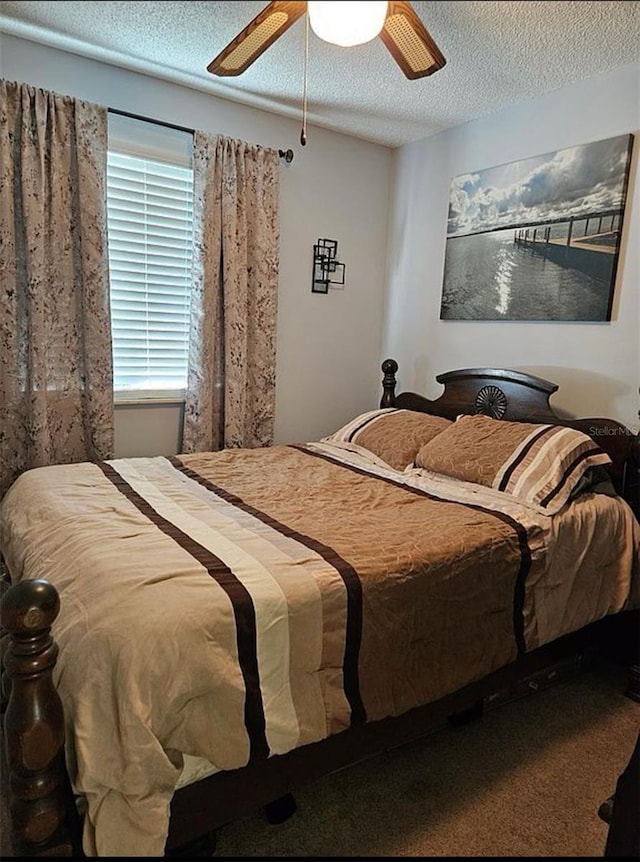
353 587
521 456
519 529
365 423
565 476
241 602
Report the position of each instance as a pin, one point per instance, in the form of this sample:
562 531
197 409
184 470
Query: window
150 217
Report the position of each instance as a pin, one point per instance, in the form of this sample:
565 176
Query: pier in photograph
586 243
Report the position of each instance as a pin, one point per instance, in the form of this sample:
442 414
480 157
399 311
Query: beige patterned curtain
56 391
231 387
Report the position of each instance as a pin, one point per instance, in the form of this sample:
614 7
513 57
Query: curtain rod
287 155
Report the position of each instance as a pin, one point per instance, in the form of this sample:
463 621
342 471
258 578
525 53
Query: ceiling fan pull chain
303 133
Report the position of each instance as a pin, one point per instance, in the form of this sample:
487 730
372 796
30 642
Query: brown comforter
239 604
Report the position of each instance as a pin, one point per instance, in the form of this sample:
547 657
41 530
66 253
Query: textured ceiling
497 53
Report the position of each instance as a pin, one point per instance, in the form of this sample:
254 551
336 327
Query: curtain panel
56 387
230 398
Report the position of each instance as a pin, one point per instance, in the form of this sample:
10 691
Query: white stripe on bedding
515 456
560 448
271 609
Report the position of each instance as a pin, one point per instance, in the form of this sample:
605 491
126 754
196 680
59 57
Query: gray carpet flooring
526 779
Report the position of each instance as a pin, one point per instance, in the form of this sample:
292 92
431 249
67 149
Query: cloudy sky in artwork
575 181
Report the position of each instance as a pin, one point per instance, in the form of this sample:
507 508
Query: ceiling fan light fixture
347 23
341 23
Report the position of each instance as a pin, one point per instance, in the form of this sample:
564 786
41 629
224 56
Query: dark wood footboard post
34 723
389 367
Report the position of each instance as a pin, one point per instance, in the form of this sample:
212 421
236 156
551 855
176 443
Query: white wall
596 364
328 350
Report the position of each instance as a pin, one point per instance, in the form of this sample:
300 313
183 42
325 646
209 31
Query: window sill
148 402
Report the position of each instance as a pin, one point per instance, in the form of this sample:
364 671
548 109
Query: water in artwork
488 276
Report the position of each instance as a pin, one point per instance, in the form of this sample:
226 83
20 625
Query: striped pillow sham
540 464
391 434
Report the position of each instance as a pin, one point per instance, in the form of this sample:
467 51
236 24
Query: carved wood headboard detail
519 397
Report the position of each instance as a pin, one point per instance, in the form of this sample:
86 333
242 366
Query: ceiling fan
404 35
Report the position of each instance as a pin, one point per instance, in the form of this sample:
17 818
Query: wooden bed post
389 367
34 723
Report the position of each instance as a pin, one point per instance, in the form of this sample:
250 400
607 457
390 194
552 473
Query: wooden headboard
519 397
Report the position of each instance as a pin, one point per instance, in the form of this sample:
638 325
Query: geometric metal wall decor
327 269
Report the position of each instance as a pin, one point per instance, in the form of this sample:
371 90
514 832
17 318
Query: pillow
539 464
393 435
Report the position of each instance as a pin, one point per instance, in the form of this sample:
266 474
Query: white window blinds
150 216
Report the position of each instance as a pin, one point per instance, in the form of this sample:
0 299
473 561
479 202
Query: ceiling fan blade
256 37
409 42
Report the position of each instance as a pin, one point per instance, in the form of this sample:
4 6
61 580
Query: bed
231 625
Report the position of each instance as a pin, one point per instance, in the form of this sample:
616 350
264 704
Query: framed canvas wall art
538 239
